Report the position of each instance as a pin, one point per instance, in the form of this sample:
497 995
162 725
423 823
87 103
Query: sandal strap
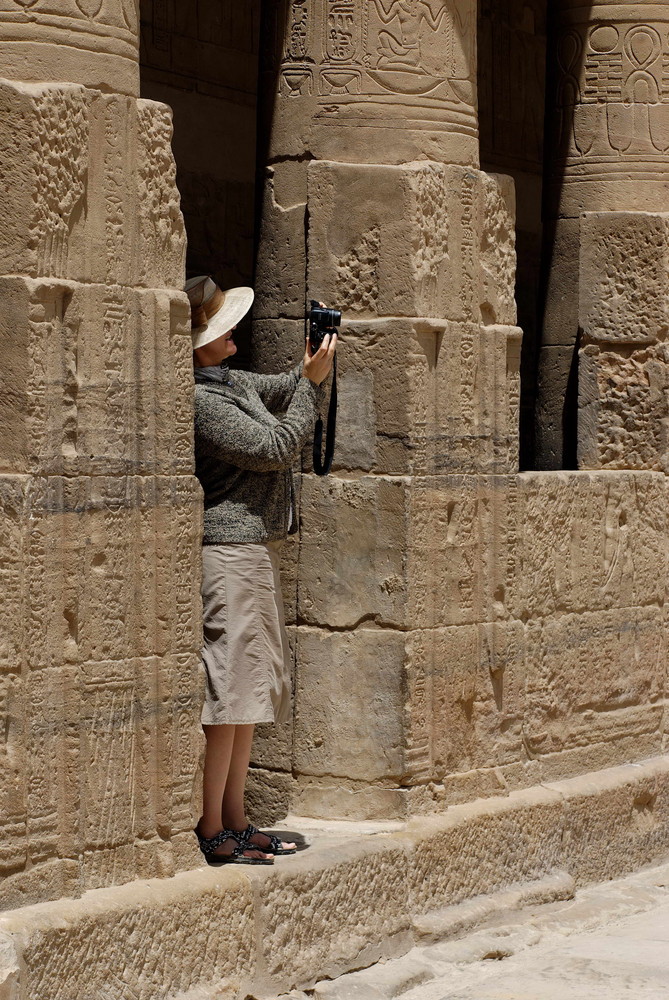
209 844
274 842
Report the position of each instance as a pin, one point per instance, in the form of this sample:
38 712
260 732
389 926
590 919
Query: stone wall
99 512
460 629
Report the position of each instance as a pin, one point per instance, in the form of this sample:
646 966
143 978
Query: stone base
354 897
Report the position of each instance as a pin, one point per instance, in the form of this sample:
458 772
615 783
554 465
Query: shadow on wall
556 416
202 60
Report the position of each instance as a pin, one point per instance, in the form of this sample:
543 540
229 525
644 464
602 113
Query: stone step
352 899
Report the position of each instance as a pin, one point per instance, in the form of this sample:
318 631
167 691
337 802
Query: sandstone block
281 260
423 239
277 345
613 820
106 923
623 288
622 407
269 795
94 196
408 403
306 894
100 379
513 840
349 703
560 324
569 704
342 799
587 541
556 403
357 86
88 595
466 699
459 565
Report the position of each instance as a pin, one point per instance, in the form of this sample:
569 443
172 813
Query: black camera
321 321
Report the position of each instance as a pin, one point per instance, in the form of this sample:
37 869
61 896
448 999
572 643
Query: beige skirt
245 654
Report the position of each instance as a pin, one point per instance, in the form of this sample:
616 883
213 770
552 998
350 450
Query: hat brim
237 303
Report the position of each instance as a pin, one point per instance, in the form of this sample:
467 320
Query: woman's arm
276 391
226 433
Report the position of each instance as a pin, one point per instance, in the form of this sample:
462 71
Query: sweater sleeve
276 391
224 432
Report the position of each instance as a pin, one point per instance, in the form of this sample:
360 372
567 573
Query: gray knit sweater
244 452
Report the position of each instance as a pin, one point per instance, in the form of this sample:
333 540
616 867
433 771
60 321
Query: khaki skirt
245 654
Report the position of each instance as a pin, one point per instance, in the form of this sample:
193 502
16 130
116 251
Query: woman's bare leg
233 815
219 754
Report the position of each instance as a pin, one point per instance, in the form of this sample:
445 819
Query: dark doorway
511 85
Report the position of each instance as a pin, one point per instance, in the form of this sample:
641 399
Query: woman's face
216 351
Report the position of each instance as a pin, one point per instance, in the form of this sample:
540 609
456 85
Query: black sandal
274 842
209 844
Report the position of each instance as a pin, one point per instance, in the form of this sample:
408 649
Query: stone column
99 512
374 202
608 176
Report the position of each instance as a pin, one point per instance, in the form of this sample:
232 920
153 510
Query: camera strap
322 465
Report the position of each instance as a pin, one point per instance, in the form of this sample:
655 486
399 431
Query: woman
243 459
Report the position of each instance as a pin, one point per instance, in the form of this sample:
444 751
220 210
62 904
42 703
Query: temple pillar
602 359
374 203
99 511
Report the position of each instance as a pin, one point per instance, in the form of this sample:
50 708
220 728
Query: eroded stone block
428 396
623 286
89 596
349 703
423 239
570 702
466 699
588 541
93 187
623 412
281 260
100 379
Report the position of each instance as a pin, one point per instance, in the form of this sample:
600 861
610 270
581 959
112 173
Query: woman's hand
317 366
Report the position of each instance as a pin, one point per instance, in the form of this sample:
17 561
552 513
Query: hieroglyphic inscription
614 90
420 50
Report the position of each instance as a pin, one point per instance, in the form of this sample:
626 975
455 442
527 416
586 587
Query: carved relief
613 92
354 56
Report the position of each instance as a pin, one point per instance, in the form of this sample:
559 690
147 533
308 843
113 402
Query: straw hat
213 311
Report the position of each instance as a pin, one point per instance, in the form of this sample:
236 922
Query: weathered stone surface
384 84
183 910
100 379
624 293
93 187
349 703
466 699
281 260
613 820
588 541
407 404
304 895
569 704
423 239
83 41
317 915
623 414
557 407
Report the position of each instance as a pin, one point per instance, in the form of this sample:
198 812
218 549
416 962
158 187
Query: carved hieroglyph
610 154
612 106
93 42
377 81
99 512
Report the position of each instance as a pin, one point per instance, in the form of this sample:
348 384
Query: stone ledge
352 899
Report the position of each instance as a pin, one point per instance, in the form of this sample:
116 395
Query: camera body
321 321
